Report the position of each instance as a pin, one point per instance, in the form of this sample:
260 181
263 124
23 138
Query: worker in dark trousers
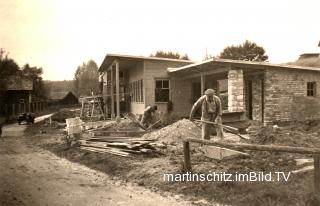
211 111
148 116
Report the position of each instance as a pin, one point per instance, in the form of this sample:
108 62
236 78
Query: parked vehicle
26 117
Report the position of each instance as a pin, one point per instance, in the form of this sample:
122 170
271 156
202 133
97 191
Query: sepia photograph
159 103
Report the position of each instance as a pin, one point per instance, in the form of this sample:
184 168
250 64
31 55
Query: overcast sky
58 35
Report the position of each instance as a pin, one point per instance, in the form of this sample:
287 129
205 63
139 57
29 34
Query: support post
117 90
187 160
112 94
317 175
202 84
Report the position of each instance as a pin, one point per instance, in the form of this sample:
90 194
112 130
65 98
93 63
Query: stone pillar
235 91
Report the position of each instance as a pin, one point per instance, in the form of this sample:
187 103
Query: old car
27 117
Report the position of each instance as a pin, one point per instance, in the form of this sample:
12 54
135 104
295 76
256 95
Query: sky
59 35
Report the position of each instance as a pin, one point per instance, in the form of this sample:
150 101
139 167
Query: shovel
230 129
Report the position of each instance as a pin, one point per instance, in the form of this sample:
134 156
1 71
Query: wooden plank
104 151
120 140
304 161
119 133
303 170
317 175
272 148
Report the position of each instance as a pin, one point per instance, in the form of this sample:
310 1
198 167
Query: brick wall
286 95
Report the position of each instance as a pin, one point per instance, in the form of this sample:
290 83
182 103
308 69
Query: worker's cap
209 92
154 107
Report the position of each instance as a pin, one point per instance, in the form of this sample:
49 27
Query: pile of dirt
290 136
307 126
62 115
174 133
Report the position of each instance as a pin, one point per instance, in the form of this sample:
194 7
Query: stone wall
286 95
235 91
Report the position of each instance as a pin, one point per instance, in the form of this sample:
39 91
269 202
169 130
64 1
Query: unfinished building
257 91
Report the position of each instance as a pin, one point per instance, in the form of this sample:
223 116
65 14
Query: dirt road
30 175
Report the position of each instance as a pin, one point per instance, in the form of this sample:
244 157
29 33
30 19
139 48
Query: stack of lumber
122 146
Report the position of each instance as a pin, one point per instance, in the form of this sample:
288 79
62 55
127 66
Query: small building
65 98
136 82
256 91
15 94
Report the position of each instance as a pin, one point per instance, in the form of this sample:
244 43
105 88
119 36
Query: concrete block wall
235 91
157 69
286 95
181 97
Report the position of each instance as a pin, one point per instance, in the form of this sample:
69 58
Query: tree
170 55
86 79
8 66
35 74
248 51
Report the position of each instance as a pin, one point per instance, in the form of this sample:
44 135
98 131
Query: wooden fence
272 148
18 108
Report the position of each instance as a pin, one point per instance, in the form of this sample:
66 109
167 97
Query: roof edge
229 61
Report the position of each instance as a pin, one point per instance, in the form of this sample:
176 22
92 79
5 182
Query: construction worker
211 111
148 116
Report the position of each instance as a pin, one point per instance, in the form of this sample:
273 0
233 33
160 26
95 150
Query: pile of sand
175 132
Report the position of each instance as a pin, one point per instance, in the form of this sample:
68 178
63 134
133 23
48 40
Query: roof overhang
126 61
15 83
212 66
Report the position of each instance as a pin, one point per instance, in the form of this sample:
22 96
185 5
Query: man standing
148 115
211 111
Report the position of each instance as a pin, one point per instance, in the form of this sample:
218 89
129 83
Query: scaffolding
91 107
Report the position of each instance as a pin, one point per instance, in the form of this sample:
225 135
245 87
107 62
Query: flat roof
109 58
239 63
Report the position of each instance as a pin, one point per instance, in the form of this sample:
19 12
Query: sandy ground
33 176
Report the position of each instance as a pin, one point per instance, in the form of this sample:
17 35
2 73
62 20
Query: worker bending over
148 116
211 111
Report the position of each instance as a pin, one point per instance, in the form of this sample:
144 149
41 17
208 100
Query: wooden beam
317 175
112 95
271 148
203 83
197 73
117 89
